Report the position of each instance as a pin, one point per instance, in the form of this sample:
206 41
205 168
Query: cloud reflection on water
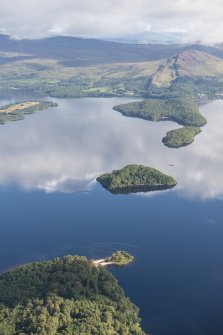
66 148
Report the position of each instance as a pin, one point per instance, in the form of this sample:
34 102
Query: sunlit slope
198 63
188 63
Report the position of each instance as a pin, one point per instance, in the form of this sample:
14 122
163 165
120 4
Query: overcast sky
197 19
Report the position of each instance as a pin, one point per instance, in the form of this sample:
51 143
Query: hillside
198 63
75 67
73 51
166 73
188 63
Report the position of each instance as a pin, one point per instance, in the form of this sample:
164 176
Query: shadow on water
139 189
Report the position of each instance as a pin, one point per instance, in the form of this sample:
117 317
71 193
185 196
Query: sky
196 20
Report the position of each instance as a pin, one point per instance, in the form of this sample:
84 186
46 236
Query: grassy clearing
18 107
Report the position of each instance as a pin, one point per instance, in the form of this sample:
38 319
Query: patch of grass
18 107
17 111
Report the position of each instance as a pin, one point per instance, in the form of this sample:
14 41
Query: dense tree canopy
181 110
180 137
65 296
135 178
121 257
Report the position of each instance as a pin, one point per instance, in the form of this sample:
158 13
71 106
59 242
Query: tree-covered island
65 296
180 137
181 110
118 258
184 111
172 80
121 258
135 178
17 111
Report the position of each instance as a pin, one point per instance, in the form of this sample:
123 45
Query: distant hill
75 51
149 37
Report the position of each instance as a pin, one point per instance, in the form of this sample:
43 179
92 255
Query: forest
183 111
65 296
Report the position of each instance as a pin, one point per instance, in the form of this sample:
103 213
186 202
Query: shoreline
102 262
97 262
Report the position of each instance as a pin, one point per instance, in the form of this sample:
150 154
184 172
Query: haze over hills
76 51
86 51
154 37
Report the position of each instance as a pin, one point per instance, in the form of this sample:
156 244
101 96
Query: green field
17 111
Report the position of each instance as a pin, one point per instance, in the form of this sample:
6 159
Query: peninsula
172 80
183 111
17 111
68 295
135 178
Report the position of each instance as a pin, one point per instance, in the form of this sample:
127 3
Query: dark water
51 206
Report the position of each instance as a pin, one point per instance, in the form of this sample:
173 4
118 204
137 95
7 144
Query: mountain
82 52
73 51
75 67
198 63
188 63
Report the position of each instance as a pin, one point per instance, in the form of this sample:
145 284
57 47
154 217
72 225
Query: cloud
66 148
198 19
68 185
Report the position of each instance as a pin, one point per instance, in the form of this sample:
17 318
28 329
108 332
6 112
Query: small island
17 111
180 137
135 178
121 258
118 258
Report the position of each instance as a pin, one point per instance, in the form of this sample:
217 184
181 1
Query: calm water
51 206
